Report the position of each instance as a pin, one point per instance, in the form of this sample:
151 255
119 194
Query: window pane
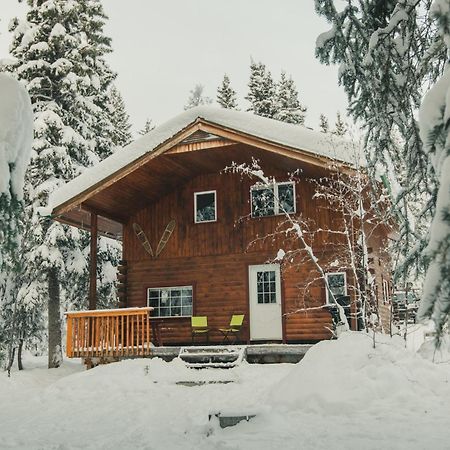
336 283
286 197
164 312
186 311
206 207
263 202
173 302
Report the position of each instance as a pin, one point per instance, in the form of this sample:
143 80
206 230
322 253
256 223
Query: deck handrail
108 333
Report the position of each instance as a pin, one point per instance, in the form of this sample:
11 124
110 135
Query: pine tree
121 134
226 95
435 133
387 52
197 97
262 91
339 127
323 124
16 133
59 54
147 127
289 108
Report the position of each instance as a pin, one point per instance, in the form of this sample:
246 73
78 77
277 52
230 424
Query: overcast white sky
163 48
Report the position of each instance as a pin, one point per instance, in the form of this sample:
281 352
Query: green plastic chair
199 326
231 334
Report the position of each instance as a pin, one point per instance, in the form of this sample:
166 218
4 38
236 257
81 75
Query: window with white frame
205 207
336 286
170 301
273 199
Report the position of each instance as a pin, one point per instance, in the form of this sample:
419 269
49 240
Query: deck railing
108 333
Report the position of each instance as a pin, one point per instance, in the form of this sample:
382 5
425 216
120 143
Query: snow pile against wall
342 395
294 136
348 376
16 134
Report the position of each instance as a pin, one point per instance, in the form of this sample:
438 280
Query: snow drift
346 375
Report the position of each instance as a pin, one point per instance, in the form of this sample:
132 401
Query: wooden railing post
69 344
93 263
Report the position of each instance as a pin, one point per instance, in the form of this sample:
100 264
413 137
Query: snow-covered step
212 357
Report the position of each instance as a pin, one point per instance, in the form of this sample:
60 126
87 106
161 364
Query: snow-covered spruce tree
289 108
148 126
435 132
387 52
323 124
120 133
339 126
226 95
59 54
197 97
16 134
262 91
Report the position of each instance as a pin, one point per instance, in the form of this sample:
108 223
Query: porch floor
254 354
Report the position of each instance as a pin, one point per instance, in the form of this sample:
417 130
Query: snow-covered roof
293 136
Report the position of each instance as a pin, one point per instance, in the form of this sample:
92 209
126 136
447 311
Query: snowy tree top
289 135
16 135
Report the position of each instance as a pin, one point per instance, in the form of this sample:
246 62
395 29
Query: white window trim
326 285
215 206
171 287
276 197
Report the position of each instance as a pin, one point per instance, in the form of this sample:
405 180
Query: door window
266 286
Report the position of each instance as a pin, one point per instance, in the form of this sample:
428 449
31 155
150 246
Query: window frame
276 207
178 287
329 302
215 206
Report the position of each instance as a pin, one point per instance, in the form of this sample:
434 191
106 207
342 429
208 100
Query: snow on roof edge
293 136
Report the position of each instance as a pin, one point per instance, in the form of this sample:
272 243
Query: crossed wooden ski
162 242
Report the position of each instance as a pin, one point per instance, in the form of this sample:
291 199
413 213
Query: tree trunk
19 355
54 321
12 352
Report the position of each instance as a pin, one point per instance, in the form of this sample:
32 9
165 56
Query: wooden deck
108 333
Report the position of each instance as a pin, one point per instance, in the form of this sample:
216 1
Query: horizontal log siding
214 257
234 230
220 290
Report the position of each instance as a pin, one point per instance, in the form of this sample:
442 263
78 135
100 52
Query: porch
115 334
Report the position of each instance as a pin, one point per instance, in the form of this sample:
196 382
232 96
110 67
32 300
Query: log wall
214 257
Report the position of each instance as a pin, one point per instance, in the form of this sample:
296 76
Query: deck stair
223 357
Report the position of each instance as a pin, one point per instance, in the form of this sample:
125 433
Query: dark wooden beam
93 263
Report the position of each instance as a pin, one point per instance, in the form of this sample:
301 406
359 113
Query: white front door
265 302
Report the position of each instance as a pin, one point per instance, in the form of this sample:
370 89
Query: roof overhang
176 160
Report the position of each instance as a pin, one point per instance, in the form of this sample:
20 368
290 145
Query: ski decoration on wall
165 237
162 242
143 239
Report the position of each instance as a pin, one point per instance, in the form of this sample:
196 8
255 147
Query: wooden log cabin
197 239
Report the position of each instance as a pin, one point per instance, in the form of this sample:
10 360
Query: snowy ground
343 395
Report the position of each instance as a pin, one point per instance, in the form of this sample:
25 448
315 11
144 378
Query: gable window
170 301
337 286
205 207
273 199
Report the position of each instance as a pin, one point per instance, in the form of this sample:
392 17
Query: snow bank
343 395
16 134
349 376
294 136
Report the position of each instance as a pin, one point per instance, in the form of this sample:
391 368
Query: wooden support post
93 263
